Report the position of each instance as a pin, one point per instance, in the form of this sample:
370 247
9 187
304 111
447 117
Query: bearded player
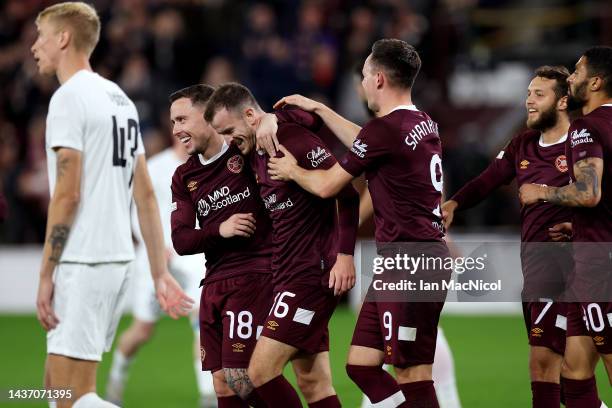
589 151
536 155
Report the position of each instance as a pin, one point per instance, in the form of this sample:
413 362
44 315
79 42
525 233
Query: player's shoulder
292 134
184 168
527 135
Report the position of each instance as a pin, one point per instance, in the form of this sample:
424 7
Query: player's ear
595 83
562 103
249 116
380 80
64 38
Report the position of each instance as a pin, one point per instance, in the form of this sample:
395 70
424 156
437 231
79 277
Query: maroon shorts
232 312
299 317
405 331
598 323
546 324
575 320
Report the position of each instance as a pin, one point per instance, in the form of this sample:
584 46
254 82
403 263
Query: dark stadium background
478 57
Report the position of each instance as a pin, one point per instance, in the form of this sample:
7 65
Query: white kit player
96 167
188 271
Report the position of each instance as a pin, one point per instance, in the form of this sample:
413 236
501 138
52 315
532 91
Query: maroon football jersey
306 228
212 193
529 160
401 155
591 136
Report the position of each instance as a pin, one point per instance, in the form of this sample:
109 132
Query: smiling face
241 128
541 104
47 47
189 126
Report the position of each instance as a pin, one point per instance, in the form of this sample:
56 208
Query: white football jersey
93 115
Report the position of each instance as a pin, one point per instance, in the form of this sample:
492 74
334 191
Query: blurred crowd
314 47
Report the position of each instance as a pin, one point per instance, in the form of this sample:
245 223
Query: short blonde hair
80 17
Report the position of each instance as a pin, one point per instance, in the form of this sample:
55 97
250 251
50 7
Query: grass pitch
490 361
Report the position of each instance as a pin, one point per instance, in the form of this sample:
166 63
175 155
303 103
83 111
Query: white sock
443 374
603 405
204 379
52 404
120 367
92 400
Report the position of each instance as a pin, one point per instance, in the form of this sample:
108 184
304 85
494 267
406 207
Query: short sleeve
308 149
139 144
65 121
584 141
368 148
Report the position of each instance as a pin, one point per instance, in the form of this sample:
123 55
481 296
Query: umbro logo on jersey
524 164
359 148
238 347
235 163
192 185
561 163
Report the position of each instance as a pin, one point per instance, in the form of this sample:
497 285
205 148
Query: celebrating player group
276 216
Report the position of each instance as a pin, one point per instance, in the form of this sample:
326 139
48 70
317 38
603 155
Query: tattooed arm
585 192
62 210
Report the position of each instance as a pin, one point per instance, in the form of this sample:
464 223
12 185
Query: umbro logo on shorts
272 325
238 347
202 353
537 332
599 341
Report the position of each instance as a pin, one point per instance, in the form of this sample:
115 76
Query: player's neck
555 133
70 65
595 101
214 146
391 100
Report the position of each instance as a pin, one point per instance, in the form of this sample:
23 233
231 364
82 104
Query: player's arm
585 192
322 183
342 276
501 171
345 130
188 240
366 207
169 293
62 211
268 126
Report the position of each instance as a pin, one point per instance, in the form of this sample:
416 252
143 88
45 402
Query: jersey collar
215 157
562 140
408 107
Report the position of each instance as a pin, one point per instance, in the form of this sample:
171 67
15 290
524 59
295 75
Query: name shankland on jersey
271 204
317 156
359 148
419 131
220 198
581 137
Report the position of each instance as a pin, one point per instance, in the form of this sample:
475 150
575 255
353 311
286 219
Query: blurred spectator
315 47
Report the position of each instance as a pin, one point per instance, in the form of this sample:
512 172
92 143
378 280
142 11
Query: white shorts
87 300
187 270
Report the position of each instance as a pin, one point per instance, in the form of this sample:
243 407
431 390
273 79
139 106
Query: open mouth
185 139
